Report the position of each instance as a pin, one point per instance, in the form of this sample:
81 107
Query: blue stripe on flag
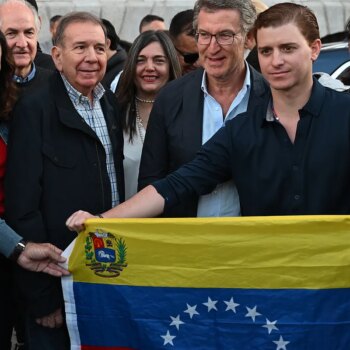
151 318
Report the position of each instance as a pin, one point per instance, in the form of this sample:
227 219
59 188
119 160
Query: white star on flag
176 321
168 338
231 305
211 304
281 344
270 326
252 313
191 310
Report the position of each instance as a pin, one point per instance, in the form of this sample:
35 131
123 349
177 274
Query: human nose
91 54
21 41
213 43
277 58
149 65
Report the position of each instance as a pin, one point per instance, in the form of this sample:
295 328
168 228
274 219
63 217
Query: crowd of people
222 138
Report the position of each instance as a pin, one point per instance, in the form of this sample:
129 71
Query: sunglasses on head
189 58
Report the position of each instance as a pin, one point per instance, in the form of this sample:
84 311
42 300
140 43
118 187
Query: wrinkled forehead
16 15
83 31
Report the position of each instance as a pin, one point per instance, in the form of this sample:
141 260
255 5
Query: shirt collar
246 82
29 77
313 105
317 97
77 97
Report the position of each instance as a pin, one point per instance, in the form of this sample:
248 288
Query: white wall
126 14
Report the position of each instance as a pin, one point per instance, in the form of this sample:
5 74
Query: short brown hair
287 12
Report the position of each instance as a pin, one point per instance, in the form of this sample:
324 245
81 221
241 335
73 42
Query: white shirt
224 200
132 159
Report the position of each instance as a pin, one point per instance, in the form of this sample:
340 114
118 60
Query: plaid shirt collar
77 97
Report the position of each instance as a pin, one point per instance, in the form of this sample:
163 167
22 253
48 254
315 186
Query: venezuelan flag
267 283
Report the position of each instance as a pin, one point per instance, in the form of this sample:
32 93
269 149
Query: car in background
334 59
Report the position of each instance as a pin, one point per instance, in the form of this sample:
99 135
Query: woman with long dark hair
152 62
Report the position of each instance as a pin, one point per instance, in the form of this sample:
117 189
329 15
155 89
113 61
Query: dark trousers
7 309
40 338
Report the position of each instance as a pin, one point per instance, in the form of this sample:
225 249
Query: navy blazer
174 131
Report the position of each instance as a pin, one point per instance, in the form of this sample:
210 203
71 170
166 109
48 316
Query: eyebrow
17 30
156 56
281 45
86 42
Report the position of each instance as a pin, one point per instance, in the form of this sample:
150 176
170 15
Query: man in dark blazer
188 111
65 152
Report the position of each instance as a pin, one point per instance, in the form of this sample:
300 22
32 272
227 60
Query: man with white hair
20 23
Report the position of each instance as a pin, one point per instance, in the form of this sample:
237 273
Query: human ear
56 53
315 49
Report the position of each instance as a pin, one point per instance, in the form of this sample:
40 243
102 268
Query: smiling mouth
89 71
149 79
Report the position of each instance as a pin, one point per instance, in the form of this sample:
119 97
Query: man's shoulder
177 86
42 90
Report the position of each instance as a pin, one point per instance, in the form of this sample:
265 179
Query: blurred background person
152 62
151 22
46 46
116 55
183 36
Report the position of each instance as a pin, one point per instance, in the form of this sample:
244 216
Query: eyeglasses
222 38
189 58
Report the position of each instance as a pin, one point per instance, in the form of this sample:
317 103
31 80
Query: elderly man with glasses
188 111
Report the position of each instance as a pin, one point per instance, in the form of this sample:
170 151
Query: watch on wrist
18 250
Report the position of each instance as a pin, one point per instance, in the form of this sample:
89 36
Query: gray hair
244 7
30 7
75 17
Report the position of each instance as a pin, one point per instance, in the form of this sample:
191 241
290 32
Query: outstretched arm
146 203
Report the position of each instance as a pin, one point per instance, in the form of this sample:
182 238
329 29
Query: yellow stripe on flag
252 252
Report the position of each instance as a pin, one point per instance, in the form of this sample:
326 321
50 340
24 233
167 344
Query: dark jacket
174 131
41 77
56 165
114 65
44 60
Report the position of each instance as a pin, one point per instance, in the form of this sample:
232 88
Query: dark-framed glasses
222 38
189 58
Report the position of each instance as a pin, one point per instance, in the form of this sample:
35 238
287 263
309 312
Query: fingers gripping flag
267 283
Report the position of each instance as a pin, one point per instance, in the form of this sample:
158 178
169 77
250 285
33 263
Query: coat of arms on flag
279 283
105 254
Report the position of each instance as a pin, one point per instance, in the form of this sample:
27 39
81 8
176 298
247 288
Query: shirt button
297 197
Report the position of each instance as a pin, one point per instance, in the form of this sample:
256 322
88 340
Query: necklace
144 101
139 123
